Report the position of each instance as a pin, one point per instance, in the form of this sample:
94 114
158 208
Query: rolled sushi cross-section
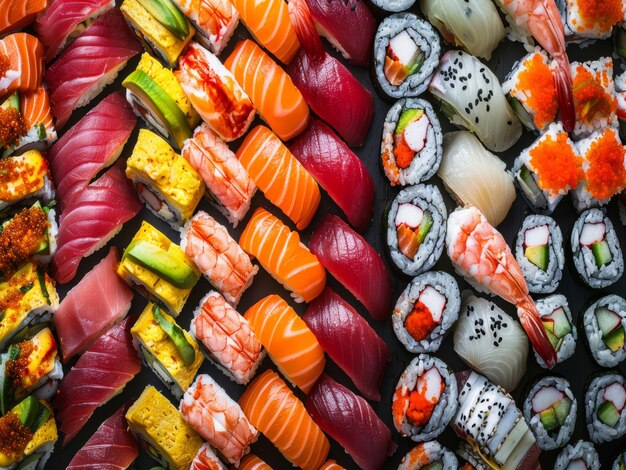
470 459
605 400
411 147
406 53
556 318
550 409
581 455
429 455
24 178
596 250
425 399
605 322
426 311
583 22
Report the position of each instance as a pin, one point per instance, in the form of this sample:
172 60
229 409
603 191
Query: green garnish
176 334
27 287
41 132
41 277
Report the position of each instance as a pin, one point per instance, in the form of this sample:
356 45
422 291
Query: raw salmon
272 92
21 63
289 342
282 178
16 14
274 410
252 462
35 109
281 254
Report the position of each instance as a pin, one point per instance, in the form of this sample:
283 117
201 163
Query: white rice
427 453
581 450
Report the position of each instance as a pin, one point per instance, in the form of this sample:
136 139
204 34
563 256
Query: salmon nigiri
289 342
274 410
35 109
272 92
16 14
21 63
282 178
281 253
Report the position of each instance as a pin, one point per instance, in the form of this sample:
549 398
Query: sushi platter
326 234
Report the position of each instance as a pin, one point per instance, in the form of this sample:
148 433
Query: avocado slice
166 13
549 420
538 255
161 262
561 409
12 101
7 393
160 103
530 188
560 323
608 414
615 340
607 320
175 332
601 253
548 325
27 411
425 226
408 116
554 341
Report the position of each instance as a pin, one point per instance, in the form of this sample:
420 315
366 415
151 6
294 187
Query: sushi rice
620 462
595 399
431 455
471 458
606 352
581 451
565 348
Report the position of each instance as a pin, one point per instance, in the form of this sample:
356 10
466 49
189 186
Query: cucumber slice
601 253
608 414
549 419
560 323
425 226
607 320
561 409
523 115
615 340
407 117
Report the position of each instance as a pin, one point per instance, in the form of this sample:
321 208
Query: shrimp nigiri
480 253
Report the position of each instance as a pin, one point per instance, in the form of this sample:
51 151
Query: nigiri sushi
272 92
98 301
98 375
331 465
338 170
90 64
354 263
274 410
16 14
34 108
21 63
252 462
24 179
292 264
283 180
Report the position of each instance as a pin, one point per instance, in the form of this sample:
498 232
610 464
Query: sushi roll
605 399
25 178
165 181
620 92
426 311
548 169
159 99
428 455
470 459
411 146
596 250
584 21
604 322
218 419
581 455
167 349
161 430
393 6
550 409
206 459
158 269
27 299
556 318
531 90
214 93
226 338
406 53
220 259
425 399
620 462
539 252
416 228
160 26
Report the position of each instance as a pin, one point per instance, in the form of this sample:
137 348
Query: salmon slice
289 342
281 177
35 109
274 410
281 254
272 92
21 53
252 462
16 14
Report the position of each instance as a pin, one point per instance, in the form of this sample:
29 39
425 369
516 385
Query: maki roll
406 53
556 318
428 455
25 178
393 6
550 409
167 349
585 20
472 98
411 146
596 250
471 460
426 311
581 455
604 323
416 228
425 399
620 462
605 398
620 92
539 252
548 169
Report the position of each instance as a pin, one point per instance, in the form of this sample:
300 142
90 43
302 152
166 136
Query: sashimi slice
98 375
351 421
338 170
91 145
89 64
349 341
354 263
91 219
21 63
16 14
111 447
36 111
98 301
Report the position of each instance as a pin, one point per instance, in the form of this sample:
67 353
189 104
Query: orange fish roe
590 96
12 127
603 13
606 175
559 168
419 323
5 64
16 369
21 238
14 436
403 153
537 82
421 409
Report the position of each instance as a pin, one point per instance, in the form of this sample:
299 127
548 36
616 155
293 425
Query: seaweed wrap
604 323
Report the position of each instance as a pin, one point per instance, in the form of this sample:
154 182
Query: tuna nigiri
274 410
16 14
274 95
100 374
89 64
291 264
289 342
112 446
339 171
354 263
351 421
98 301
21 63
283 180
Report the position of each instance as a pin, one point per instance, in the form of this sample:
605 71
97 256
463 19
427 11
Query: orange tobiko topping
559 168
419 323
537 82
606 175
604 13
590 96
421 408
5 64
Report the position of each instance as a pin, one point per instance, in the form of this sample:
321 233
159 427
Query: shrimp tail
531 323
565 94
303 24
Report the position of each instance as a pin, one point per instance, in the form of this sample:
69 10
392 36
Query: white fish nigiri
490 341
